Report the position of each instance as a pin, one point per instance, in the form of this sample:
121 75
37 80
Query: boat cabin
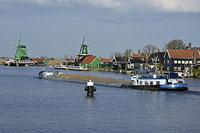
149 80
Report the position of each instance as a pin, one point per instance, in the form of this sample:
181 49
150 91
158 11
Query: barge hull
154 87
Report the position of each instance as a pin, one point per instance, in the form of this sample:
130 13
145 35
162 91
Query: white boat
171 82
48 74
61 67
78 68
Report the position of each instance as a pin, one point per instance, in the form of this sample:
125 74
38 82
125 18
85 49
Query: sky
55 28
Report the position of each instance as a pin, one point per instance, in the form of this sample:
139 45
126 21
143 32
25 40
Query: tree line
176 44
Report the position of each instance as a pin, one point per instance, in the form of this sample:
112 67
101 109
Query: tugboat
170 82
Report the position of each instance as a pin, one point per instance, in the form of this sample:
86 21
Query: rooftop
184 54
88 59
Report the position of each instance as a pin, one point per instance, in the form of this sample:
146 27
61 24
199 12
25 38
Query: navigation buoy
90 88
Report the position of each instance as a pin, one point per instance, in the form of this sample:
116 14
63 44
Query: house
106 63
91 62
156 60
135 62
38 61
118 63
181 60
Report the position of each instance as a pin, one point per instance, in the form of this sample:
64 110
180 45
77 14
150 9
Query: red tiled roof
38 60
106 60
134 55
88 59
184 54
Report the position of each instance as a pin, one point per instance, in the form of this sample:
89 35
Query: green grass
196 73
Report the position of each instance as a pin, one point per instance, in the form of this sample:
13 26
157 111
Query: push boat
169 82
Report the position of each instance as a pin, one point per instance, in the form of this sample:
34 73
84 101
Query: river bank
86 78
196 73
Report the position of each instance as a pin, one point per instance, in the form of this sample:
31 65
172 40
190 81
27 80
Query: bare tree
117 54
148 49
128 53
127 56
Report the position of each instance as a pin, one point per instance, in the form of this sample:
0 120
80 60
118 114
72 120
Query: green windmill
21 51
84 48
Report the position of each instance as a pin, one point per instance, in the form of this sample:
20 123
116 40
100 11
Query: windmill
82 53
84 48
21 53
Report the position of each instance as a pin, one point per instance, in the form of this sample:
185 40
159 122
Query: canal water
31 105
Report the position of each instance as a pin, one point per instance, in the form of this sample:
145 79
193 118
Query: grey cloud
123 5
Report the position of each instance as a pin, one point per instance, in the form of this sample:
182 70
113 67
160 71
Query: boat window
140 82
157 82
146 83
151 82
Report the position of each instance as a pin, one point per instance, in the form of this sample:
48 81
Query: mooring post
90 88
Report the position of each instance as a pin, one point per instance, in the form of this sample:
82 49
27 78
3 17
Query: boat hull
170 87
176 87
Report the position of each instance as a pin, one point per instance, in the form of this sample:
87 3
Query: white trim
94 59
168 53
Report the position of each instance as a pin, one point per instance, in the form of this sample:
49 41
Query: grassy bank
76 77
1 62
196 73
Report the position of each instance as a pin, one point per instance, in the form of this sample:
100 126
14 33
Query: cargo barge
170 82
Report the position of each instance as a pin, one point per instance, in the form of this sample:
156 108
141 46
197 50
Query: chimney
189 45
138 51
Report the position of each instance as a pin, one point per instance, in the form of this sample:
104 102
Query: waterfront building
106 63
39 61
135 62
181 60
118 63
156 60
91 62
